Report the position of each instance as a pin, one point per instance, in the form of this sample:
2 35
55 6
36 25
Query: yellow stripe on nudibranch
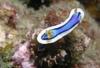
49 33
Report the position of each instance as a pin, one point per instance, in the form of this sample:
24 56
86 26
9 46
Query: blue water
71 23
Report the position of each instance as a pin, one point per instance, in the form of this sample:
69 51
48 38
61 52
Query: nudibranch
54 33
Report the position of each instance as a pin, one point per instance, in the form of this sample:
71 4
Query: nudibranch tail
54 33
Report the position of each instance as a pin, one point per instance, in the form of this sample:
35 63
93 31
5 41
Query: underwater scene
49 33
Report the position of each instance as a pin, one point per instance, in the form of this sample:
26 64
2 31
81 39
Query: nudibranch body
54 33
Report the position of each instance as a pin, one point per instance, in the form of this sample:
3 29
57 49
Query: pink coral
22 56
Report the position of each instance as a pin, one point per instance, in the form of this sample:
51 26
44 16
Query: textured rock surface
79 49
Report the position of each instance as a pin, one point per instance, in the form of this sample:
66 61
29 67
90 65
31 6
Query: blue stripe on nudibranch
62 29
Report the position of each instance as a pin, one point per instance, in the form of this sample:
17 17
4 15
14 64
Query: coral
9 11
22 56
94 11
5 55
52 18
20 49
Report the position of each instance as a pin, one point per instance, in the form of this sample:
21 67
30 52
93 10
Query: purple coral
22 56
